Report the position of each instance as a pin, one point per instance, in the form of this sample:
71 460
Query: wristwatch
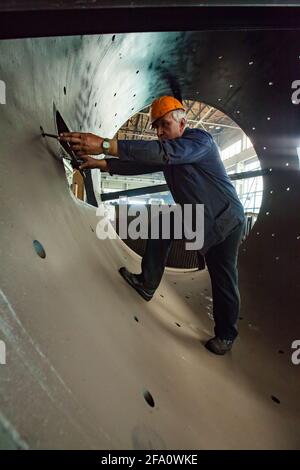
106 146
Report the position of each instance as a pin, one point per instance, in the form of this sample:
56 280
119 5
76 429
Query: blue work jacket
195 174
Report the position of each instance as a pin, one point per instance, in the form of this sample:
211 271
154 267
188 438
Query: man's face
167 128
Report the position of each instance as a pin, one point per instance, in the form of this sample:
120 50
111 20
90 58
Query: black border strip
113 20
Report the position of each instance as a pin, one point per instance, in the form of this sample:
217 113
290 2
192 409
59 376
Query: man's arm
120 167
117 166
86 144
189 148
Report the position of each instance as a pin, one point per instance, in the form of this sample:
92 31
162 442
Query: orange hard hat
162 106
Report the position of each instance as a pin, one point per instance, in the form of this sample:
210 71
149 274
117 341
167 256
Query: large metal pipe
82 348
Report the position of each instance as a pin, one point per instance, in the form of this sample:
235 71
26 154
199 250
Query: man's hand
83 143
89 163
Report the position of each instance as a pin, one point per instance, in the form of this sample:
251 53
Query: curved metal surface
82 348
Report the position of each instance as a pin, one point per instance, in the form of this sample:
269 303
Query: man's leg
154 262
153 265
157 250
221 263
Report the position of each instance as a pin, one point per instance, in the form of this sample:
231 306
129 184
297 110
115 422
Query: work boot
219 346
136 283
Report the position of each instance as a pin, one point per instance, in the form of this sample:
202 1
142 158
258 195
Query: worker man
195 174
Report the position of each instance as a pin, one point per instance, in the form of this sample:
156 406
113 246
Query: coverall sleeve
182 150
120 167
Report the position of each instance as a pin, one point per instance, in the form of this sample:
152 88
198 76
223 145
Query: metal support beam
164 187
135 192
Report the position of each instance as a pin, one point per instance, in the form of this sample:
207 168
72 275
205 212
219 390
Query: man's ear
182 124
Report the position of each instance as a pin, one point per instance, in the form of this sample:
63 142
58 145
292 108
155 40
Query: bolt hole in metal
275 399
39 249
149 398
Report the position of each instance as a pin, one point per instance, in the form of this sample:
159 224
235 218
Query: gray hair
179 114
